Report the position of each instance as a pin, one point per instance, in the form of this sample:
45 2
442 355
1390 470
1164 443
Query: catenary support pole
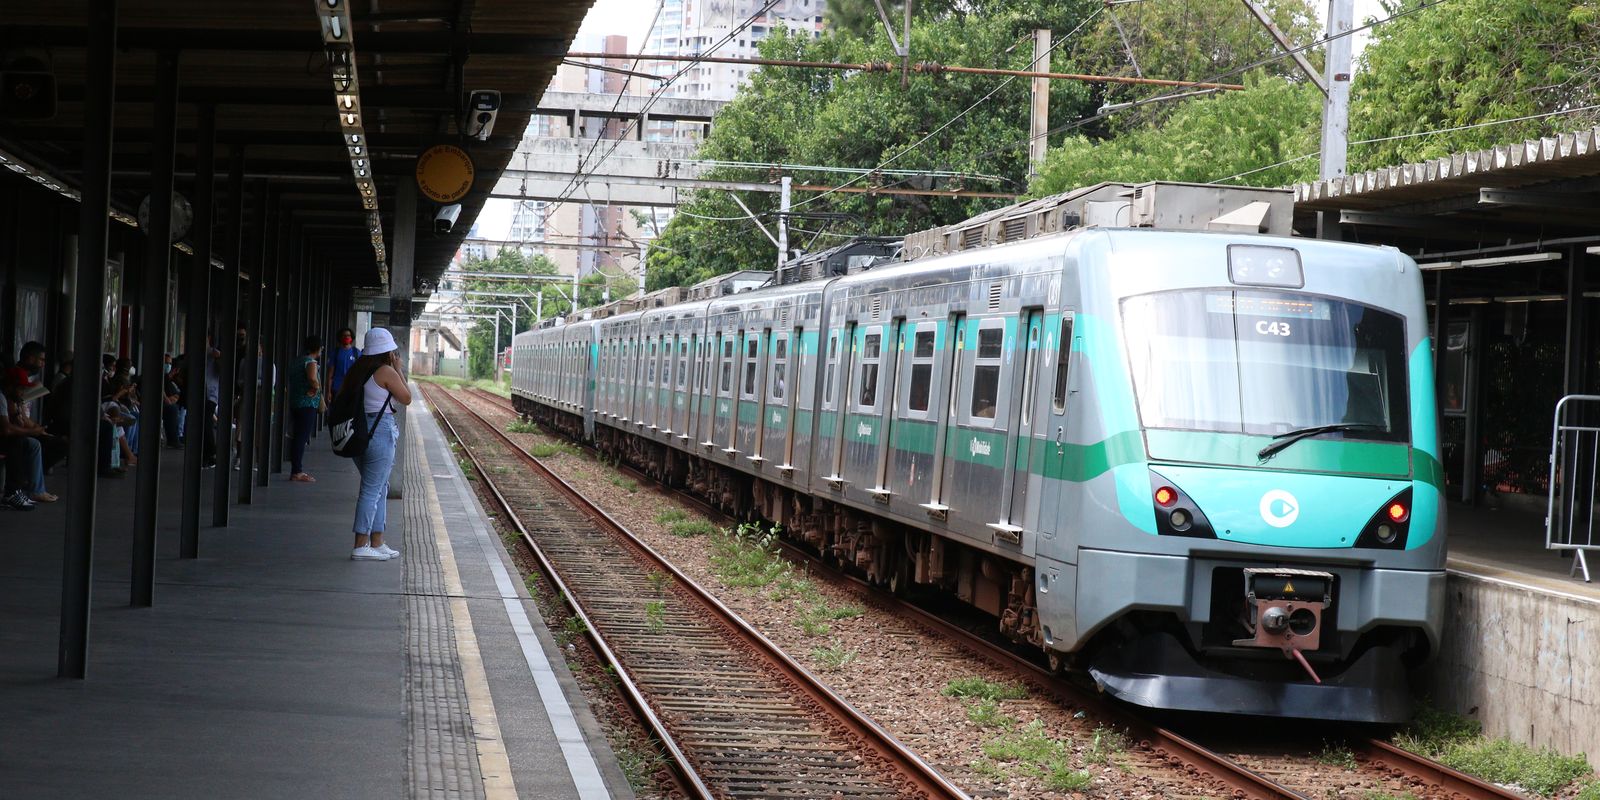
1039 109
783 228
227 340
1336 109
99 102
153 321
255 376
199 311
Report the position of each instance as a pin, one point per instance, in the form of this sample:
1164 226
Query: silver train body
1072 434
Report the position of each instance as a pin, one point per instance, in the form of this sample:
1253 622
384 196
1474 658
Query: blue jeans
375 465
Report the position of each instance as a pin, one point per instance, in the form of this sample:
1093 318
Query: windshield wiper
1283 440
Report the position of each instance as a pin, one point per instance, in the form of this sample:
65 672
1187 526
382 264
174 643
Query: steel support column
227 342
255 374
100 75
402 257
196 346
153 321
271 336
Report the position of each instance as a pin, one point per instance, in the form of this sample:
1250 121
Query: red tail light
1166 496
1397 512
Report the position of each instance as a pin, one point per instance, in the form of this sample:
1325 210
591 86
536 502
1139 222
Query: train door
1051 510
841 402
894 348
680 416
938 505
727 389
748 400
1019 461
786 389
773 385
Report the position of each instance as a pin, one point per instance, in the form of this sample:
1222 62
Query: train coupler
1285 608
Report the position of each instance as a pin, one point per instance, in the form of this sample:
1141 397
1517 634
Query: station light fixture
338 39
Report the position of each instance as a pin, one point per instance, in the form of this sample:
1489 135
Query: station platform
274 666
1520 651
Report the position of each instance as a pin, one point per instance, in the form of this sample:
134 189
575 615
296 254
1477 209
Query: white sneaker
387 551
367 554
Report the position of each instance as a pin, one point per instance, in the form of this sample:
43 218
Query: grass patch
747 556
574 626
834 656
659 581
544 450
1032 751
655 615
1459 742
532 582
1590 792
639 762
466 468
976 687
671 515
522 426
625 483
1108 743
986 714
1336 755
689 528
815 616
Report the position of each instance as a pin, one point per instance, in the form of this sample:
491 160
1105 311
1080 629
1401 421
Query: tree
480 337
863 119
1205 140
1471 61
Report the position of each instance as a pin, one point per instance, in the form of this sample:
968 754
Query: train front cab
1249 512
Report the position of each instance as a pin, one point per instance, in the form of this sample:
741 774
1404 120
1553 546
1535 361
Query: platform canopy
264 65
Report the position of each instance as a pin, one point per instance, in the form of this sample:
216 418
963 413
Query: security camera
445 218
482 108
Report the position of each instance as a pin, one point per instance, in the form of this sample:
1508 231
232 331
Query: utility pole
1039 113
1336 109
494 349
783 224
644 253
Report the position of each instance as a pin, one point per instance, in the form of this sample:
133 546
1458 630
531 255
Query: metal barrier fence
1569 522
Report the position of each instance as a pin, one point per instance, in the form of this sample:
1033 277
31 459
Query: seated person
23 450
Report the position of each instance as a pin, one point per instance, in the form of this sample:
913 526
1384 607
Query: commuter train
1202 467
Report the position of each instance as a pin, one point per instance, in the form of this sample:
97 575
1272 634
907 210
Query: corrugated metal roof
1568 155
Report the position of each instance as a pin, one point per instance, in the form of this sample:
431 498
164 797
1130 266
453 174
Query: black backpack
347 423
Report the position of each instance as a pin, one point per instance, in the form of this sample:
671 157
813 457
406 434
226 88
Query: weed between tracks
747 557
1029 749
1459 743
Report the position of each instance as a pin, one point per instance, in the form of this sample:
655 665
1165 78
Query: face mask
347 340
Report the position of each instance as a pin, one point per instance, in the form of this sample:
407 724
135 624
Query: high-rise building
691 27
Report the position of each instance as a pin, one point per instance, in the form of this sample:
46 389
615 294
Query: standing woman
376 375
305 400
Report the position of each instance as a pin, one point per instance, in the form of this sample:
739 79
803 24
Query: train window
752 346
1028 370
683 364
650 365
780 367
832 367
986 373
727 366
870 347
666 362
1063 356
921 369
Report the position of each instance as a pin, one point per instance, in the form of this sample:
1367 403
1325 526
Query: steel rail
687 774
918 773
1460 784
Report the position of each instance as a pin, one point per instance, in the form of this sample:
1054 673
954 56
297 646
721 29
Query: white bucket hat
378 342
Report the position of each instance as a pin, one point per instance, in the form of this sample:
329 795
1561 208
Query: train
1177 450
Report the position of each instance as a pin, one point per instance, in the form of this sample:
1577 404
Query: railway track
1375 758
736 716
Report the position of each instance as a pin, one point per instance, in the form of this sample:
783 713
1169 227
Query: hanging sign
444 173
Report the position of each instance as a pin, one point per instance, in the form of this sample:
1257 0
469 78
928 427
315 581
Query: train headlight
1386 533
1179 519
1176 513
1390 525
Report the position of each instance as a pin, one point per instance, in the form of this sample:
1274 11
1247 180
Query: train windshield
1267 363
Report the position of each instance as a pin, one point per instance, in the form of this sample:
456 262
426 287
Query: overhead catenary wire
996 90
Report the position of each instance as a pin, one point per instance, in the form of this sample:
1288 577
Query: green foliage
659 581
688 528
1204 140
544 450
747 556
1471 61
670 515
480 337
522 426
986 714
834 656
863 119
655 615
983 689
1108 743
1458 742
1032 751
627 484
1590 792
1336 754
1194 40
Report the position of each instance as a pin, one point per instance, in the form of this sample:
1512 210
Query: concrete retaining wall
1522 660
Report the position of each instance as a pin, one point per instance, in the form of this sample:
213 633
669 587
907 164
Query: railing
1569 522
